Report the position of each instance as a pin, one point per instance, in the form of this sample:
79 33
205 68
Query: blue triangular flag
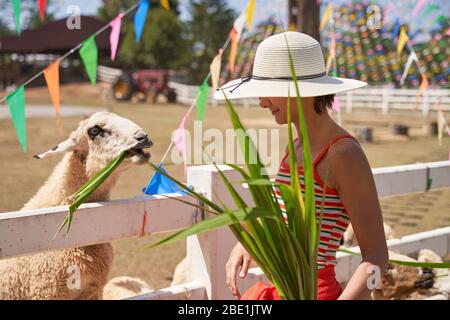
160 184
396 29
140 17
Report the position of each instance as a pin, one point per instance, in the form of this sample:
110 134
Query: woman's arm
356 187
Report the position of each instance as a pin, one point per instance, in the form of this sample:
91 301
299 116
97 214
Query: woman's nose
263 103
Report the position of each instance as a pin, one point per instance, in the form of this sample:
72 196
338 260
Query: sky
265 8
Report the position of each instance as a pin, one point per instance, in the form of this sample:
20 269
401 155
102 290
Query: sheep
48 275
124 287
412 283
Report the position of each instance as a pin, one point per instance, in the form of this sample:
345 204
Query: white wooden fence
26 232
373 98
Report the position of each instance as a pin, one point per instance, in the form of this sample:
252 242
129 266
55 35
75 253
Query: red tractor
144 85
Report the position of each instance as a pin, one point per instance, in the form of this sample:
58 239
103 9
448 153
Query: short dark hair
322 103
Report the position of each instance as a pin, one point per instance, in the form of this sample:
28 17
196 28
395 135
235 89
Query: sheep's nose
144 140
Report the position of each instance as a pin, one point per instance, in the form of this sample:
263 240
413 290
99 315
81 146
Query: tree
304 16
208 28
29 12
161 46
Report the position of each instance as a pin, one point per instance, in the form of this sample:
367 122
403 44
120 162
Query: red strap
325 149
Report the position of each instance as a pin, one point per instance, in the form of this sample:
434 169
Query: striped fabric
335 219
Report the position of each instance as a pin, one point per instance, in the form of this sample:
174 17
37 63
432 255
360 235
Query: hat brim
281 88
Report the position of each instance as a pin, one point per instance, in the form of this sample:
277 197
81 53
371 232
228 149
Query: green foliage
162 45
207 30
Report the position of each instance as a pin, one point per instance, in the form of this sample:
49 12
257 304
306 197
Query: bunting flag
16 104
326 16
332 55
402 40
202 100
418 7
89 56
239 24
179 140
16 7
42 4
51 74
140 17
234 38
115 34
336 104
165 4
214 68
396 29
250 10
429 9
423 85
412 57
160 184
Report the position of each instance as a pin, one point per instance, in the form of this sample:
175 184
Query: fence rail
26 232
374 98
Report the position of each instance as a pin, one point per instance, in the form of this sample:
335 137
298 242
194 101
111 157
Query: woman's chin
280 121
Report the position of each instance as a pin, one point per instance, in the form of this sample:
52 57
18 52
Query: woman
340 165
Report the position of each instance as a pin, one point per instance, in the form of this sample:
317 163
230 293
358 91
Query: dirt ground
22 174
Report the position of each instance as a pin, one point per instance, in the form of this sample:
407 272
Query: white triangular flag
412 57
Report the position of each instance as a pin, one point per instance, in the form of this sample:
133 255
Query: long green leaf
213 223
436 265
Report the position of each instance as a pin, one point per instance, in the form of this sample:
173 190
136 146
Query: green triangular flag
16 6
89 55
16 103
202 99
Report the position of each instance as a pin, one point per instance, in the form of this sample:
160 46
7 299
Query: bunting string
75 48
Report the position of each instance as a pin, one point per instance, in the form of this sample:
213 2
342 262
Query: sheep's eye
94 131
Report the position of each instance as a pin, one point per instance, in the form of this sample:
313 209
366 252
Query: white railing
26 232
373 98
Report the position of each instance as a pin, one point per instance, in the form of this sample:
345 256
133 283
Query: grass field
22 174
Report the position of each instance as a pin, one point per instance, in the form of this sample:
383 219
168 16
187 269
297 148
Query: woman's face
278 107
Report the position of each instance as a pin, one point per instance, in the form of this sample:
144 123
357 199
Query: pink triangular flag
418 7
336 104
179 140
115 33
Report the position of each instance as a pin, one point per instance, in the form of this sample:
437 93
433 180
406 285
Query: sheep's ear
63 147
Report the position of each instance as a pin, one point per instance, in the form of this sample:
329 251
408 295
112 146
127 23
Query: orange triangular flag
234 38
424 85
51 74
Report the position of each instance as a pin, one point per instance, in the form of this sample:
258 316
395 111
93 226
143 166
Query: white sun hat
272 74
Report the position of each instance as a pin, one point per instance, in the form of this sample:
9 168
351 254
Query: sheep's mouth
138 152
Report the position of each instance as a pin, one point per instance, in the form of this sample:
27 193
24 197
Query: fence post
208 253
425 103
385 102
349 102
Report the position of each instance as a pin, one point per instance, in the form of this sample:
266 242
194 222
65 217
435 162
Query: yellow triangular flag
402 40
215 70
165 4
326 16
250 9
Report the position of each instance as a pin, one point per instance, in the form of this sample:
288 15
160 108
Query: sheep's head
101 137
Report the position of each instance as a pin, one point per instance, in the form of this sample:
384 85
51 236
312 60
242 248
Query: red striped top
335 219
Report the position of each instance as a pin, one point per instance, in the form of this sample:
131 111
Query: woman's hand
238 261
